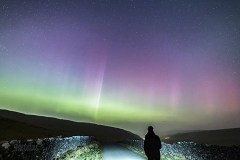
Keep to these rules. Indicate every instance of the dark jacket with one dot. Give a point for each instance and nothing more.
(152, 144)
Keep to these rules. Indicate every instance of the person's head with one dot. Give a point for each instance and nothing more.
(150, 128)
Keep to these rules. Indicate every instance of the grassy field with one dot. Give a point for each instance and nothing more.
(11, 129)
(88, 152)
(16, 125)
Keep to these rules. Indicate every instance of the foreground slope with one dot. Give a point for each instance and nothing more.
(12, 129)
(64, 127)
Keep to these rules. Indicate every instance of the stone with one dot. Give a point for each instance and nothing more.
(6, 145)
(39, 141)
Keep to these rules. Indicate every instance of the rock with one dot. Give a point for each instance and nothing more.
(6, 145)
(12, 142)
(39, 141)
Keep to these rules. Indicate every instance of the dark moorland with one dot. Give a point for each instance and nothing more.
(14, 125)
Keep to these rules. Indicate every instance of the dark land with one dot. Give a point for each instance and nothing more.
(14, 125)
(221, 137)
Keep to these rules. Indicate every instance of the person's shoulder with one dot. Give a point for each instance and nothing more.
(156, 136)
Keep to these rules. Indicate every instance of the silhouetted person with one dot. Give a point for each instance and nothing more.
(152, 145)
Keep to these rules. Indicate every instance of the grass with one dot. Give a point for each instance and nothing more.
(11, 129)
(89, 152)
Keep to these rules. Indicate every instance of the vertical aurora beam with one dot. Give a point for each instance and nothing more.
(99, 89)
(94, 76)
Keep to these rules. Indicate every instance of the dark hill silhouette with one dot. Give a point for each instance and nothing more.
(40, 126)
(12, 129)
(222, 137)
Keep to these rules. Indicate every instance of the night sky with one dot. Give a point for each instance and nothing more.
(128, 63)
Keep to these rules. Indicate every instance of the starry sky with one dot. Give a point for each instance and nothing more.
(173, 64)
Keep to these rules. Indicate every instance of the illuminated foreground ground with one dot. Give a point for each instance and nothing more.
(117, 152)
(88, 148)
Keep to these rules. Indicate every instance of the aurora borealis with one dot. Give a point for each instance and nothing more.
(128, 63)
